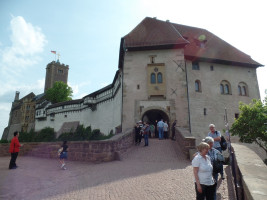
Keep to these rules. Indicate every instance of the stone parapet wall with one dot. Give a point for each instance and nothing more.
(92, 151)
(185, 140)
(249, 173)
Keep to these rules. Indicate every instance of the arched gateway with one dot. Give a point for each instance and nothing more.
(154, 115)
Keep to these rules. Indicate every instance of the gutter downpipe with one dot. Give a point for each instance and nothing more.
(189, 119)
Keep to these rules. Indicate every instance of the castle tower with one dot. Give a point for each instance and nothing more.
(55, 71)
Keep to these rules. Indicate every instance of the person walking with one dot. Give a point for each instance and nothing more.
(63, 155)
(165, 130)
(215, 156)
(14, 150)
(160, 126)
(216, 135)
(152, 130)
(146, 133)
(173, 129)
(202, 168)
(137, 132)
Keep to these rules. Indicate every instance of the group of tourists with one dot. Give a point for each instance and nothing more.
(15, 148)
(146, 130)
(207, 165)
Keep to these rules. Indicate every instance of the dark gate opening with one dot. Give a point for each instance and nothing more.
(153, 116)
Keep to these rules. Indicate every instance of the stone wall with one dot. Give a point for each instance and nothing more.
(249, 173)
(212, 100)
(92, 151)
(185, 140)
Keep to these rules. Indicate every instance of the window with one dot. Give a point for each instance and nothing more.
(159, 77)
(236, 115)
(225, 87)
(244, 93)
(60, 71)
(239, 90)
(242, 89)
(195, 66)
(205, 111)
(153, 78)
(222, 88)
(211, 68)
(138, 87)
(197, 86)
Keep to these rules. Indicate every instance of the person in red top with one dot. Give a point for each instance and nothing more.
(14, 150)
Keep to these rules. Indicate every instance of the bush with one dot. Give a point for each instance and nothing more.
(27, 137)
(3, 141)
(80, 134)
(46, 135)
(97, 135)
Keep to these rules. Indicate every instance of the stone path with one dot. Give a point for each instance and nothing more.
(159, 171)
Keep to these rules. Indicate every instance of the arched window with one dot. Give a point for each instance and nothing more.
(225, 87)
(153, 78)
(242, 89)
(159, 77)
(197, 86)
(222, 88)
(244, 93)
(239, 90)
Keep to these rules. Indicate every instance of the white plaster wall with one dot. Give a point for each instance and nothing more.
(106, 117)
(135, 73)
(211, 98)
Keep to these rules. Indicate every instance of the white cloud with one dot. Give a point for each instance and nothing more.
(77, 87)
(27, 41)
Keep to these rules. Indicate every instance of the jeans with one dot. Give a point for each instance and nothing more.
(160, 129)
(146, 139)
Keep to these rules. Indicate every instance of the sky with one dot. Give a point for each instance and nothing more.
(87, 35)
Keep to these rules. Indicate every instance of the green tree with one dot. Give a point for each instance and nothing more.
(251, 126)
(59, 92)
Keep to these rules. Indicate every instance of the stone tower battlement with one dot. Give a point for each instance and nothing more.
(55, 71)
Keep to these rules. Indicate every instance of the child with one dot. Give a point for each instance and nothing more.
(63, 155)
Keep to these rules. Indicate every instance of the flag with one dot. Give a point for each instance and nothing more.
(54, 52)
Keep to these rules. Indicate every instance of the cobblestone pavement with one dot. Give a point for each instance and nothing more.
(159, 171)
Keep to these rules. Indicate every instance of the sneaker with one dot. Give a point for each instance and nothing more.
(64, 168)
(62, 165)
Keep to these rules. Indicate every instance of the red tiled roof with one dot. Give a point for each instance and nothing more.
(155, 33)
(152, 32)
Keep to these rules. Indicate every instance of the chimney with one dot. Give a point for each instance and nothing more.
(16, 96)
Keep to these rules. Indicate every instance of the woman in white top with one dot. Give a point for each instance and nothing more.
(202, 168)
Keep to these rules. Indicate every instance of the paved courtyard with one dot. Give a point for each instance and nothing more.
(159, 171)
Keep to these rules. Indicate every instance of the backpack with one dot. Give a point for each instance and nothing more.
(217, 166)
(223, 143)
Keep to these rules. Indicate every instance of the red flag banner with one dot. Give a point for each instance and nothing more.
(54, 52)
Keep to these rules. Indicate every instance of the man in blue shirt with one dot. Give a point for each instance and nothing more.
(216, 135)
(160, 126)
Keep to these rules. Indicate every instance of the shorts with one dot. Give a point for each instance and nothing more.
(63, 155)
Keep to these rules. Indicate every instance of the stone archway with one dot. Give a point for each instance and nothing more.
(154, 115)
